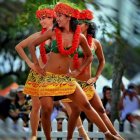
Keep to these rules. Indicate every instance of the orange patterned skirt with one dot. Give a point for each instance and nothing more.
(88, 89)
(49, 85)
(32, 84)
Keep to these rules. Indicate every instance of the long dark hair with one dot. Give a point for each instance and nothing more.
(105, 100)
(92, 29)
(73, 24)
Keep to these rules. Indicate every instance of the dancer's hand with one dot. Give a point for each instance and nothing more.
(73, 73)
(91, 81)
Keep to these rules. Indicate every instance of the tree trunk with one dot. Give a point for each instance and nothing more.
(118, 71)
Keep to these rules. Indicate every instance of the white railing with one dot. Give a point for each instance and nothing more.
(11, 131)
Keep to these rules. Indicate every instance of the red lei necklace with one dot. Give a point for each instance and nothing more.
(89, 39)
(75, 41)
(42, 49)
(75, 44)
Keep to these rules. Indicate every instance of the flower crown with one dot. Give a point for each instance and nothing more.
(86, 15)
(66, 10)
(45, 10)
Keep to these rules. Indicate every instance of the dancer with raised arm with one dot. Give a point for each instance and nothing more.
(88, 29)
(57, 78)
(46, 16)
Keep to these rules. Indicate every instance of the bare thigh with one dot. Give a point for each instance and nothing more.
(79, 98)
(46, 104)
(72, 108)
(35, 102)
(97, 103)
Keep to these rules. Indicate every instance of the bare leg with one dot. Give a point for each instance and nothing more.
(98, 106)
(46, 110)
(35, 116)
(90, 112)
(75, 120)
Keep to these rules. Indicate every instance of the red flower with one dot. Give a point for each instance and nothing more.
(75, 41)
(66, 10)
(75, 44)
(86, 15)
(89, 39)
(46, 11)
(43, 50)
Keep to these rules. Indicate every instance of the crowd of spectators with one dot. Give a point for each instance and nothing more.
(18, 105)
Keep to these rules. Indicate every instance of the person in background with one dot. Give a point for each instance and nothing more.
(23, 106)
(60, 117)
(136, 115)
(107, 100)
(13, 112)
(128, 103)
(4, 107)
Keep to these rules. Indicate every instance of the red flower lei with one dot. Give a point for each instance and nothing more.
(46, 11)
(75, 44)
(86, 15)
(75, 41)
(42, 49)
(89, 39)
(66, 10)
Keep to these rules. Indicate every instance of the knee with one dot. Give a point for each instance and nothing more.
(46, 113)
(46, 109)
(36, 108)
(101, 110)
(75, 112)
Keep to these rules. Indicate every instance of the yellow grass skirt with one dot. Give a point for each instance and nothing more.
(32, 84)
(88, 89)
(49, 85)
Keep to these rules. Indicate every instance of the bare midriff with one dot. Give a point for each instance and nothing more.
(57, 63)
(86, 74)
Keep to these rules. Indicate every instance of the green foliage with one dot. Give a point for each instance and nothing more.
(43, 6)
(6, 81)
(28, 17)
(77, 4)
(108, 70)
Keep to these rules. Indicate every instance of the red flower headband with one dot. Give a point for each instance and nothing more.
(46, 11)
(86, 15)
(67, 10)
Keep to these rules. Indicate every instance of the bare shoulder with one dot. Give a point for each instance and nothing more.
(97, 42)
(82, 37)
(35, 35)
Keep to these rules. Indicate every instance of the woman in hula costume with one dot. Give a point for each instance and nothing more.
(57, 78)
(46, 16)
(88, 29)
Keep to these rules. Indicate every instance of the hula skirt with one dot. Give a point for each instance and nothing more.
(88, 89)
(32, 84)
(49, 85)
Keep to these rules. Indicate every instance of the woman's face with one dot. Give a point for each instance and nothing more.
(62, 20)
(21, 95)
(84, 27)
(46, 21)
(108, 94)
